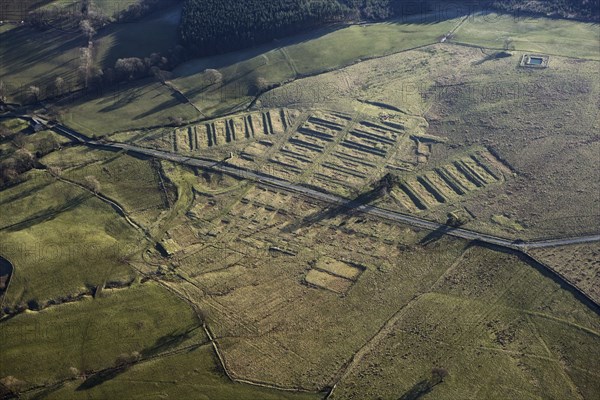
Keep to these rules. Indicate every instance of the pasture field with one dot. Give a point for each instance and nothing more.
(132, 182)
(529, 34)
(50, 266)
(31, 57)
(580, 264)
(499, 328)
(216, 285)
(128, 107)
(266, 274)
(107, 7)
(189, 374)
(155, 33)
(41, 347)
(473, 102)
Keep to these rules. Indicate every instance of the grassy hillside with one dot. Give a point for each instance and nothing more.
(498, 327)
(50, 267)
(90, 334)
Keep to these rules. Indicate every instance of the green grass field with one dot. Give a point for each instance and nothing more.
(156, 33)
(307, 54)
(189, 375)
(129, 107)
(33, 57)
(89, 335)
(132, 182)
(108, 7)
(539, 35)
(50, 232)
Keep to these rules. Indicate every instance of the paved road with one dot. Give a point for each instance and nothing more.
(327, 197)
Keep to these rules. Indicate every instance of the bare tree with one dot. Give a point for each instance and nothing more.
(438, 375)
(213, 76)
(34, 93)
(85, 63)
(159, 74)
(87, 29)
(175, 121)
(19, 140)
(92, 183)
(259, 85)
(130, 67)
(2, 91)
(59, 86)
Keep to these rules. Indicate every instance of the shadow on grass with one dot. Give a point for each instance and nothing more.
(102, 376)
(168, 342)
(348, 208)
(436, 235)
(48, 214)
(176, 100)
(548, 272)
(162, 344)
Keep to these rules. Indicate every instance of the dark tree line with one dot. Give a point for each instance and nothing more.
(217, 26)
(580, 9)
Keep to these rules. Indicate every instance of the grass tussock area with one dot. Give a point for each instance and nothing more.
(498, 327)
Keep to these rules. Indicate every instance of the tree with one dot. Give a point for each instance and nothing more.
(54, 171)
(213, 76)
(92, 183)
(438, 375)
(87, 29)
(34, 93)
(175, 121)
(159, 74)
(4, 132)
(86, 63)
(46, 145)
(23, 160)
(130, 68)
(259, 85)
(2, 91)
(124, 359)
(13, 384)
(59, 86)
(19, 140)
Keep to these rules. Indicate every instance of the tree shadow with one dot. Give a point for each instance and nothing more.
(425, 386)
(491, 57)
(436, 235)
(168, 341)
(48, 214)
(348, 208)
(102, 376)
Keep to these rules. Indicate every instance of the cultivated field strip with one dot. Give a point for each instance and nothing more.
(230, 130)
(449, 182)
(336, 151)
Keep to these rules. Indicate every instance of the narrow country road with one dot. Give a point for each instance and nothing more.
(325, 197)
